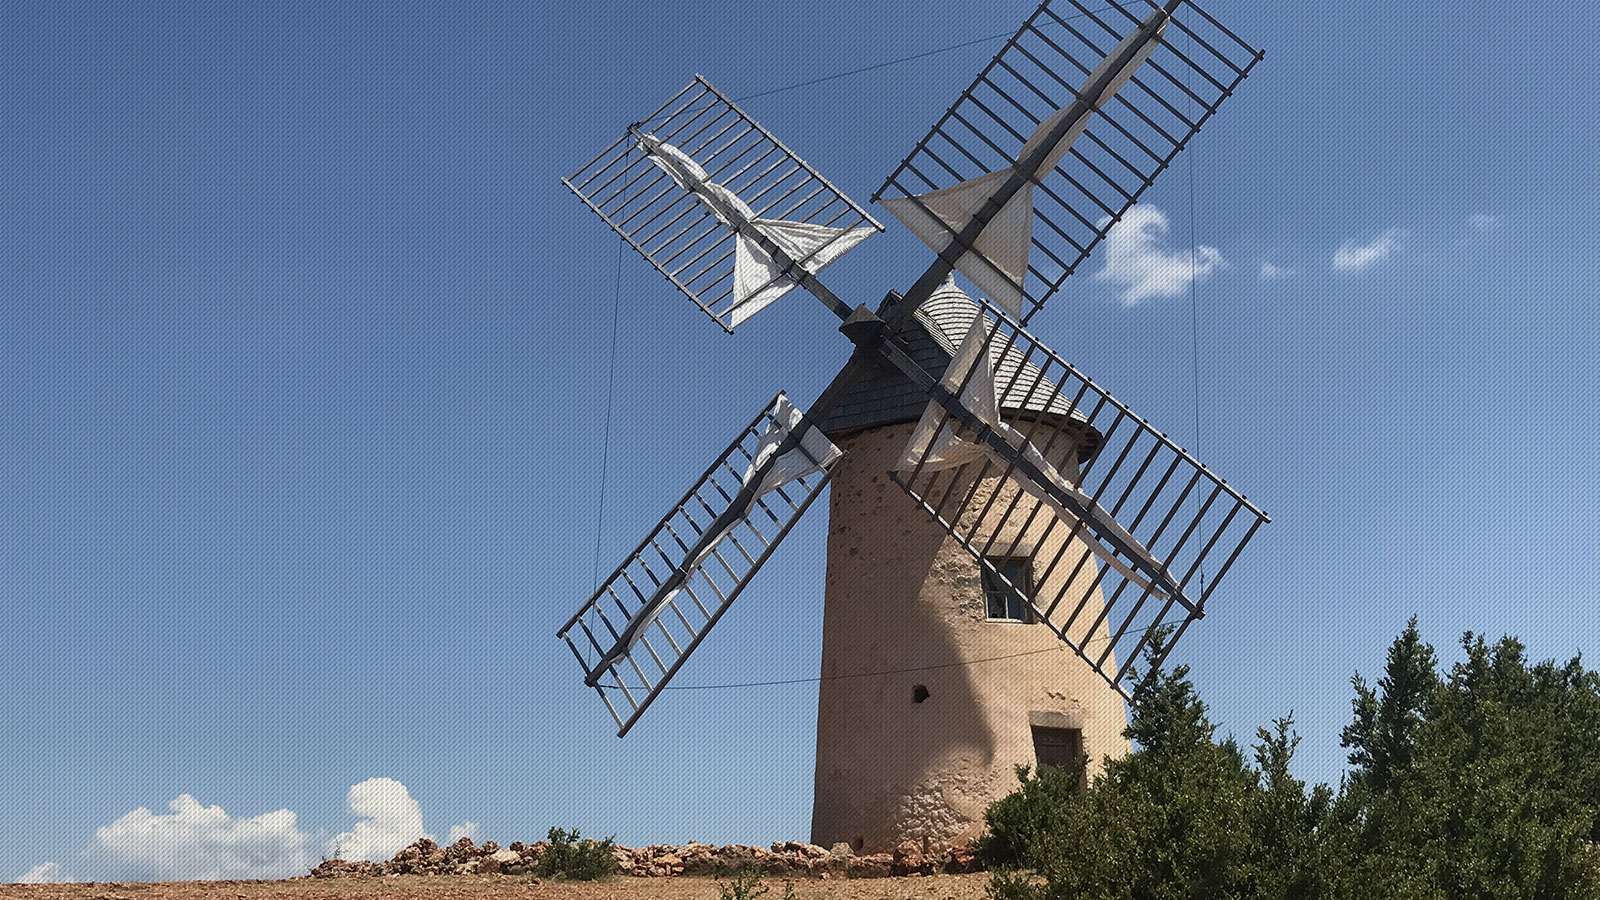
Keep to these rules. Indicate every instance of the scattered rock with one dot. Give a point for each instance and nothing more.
(459, 852)
(870, 865)
(909, 860)
(463, 857)
(962, 858)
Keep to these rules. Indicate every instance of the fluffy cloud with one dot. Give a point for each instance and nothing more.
(1137, 262)
(45, 873)
(1270, 272)
(1483, 222)
(391, 820)
(192, 841)
(468, 829)
(1354, 256)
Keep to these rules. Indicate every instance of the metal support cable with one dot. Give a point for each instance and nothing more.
(889, 62)
(951, 665)
(605, 440)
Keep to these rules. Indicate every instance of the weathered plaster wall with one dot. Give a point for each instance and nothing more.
(900, 596)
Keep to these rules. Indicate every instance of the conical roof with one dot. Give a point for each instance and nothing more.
(931, 335)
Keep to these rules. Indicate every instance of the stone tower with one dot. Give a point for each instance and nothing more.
(931, 693)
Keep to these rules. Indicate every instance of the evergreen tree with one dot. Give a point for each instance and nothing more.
(1176, 818)
(1481, 784)
(1386, 721)
(1283, 819)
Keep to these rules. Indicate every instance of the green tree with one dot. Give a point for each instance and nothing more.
(571, 856)
(1018, 819)
(1283, 819)
(1176, 818)
(1485, 784)
(1482, 783)
(1386, 721)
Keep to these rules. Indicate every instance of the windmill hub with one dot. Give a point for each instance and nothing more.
(864, 328)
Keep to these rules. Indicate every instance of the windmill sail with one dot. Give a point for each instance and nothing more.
(941, 441)
(1016, 223)
(728, 214)
(639, 627)
(758, 278)
(998, 259)
(1020, 454)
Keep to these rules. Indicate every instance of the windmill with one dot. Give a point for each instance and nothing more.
(1022, 496)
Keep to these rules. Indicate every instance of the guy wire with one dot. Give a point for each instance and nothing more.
(605, 440)
(821, 678)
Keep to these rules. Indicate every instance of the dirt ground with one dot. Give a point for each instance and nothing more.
(496, 887)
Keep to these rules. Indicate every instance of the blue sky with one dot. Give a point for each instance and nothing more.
(304, 366)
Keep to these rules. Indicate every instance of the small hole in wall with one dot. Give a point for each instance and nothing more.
(857, 844)
(919, 693)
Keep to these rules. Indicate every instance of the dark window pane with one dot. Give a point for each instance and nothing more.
(1003, 603)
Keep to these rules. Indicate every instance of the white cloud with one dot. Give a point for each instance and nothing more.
(192, 841)
(1483, 222)
(1353, 256)
(468, 829)
(202, 842)
(45, 873)
(391, 820)
(1270, 272)
(1138, 263)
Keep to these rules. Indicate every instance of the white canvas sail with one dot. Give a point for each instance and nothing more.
(997, 260)
(814, 454)
(758, 280)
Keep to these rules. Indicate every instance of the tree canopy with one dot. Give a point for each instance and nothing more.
(1479, 782)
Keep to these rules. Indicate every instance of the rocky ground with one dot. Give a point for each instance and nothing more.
(786, 859)
(668, 872)
(495, 887)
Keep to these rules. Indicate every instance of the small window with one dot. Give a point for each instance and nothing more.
(1003, 603)
(1057, 746)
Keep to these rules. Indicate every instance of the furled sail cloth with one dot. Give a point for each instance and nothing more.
(757, 278)
(997, 261)
(941, 441)
(771, 467)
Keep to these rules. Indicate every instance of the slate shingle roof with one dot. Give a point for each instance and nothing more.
(931, 335)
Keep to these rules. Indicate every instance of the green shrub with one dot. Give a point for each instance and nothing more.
(577, 858)
(1479, 782)
(746, 886)
(1018, 819)
(1006, 885)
